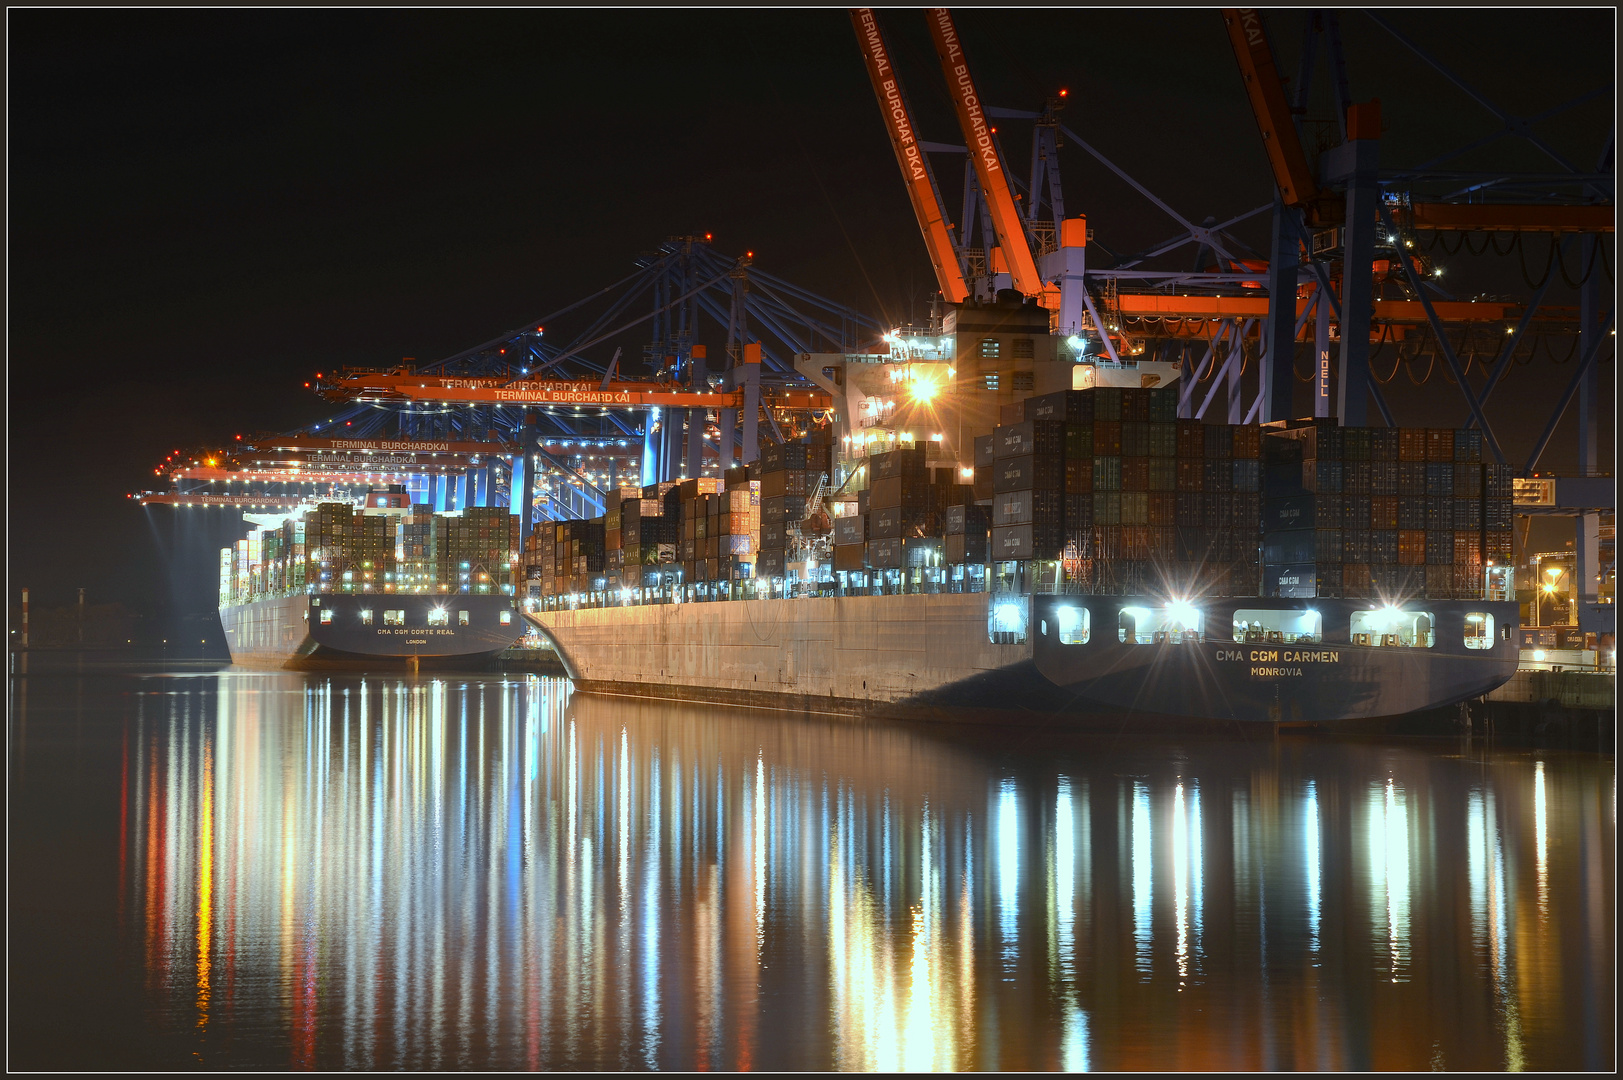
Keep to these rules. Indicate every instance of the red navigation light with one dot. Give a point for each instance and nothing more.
(239, 438)
(1062, 93)
(307, 386)
(994, 131)
(707, 236)
(749, 254)
(504, 352)
(346, 424)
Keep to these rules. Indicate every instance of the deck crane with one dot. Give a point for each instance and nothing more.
(915, 166)
(983, 151)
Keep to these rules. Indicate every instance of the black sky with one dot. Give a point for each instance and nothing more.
(207, 206)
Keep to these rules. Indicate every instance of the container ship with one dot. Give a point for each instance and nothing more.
(946, 546)
(1099, 557)
(385, 584)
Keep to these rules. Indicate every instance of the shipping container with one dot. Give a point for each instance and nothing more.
(1044, 472)
(1021, 507)
(1027, 542)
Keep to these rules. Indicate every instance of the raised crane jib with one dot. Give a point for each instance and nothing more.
(972, 118)
(1266, 92)
(921, 185)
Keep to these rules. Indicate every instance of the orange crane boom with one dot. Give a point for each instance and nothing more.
(921, 186)
(1011, 231)
(1266, 93)
(403, 385)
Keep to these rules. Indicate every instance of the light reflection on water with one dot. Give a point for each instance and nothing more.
(485, 872)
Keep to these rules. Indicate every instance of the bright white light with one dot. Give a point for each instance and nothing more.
(1184, 614)
(1067, 618)
(1538, 655)
(1008, 617)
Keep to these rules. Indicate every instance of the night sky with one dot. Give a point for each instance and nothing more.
(207, 207)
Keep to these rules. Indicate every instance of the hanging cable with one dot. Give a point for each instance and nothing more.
(1397, 356)
(1590, 269)
(1494, 237)
(1549, 263)
(1432, 362)
(1531, 352)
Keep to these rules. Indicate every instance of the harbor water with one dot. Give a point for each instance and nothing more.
(216, 868)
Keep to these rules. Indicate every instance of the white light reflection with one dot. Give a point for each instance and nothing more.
(1074, 1039)
(1541, 823)
(1187, 874)
(1389, 876)
(1143, 877)
(1310, 844)
(1180, 882)
(1008, 875)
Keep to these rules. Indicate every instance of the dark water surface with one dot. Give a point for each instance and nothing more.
(274, 870)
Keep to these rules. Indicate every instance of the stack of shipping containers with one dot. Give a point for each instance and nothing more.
(1382, 513)
(473, 552)
(415, 569)
(695, 513)
(648, 536)
(901, 512)
(789, 477)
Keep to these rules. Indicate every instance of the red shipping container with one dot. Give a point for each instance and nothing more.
(1135, 474)
(1107, 438)
(1411, 547)
(1163, 508)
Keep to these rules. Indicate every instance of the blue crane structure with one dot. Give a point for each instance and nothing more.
(689, 298)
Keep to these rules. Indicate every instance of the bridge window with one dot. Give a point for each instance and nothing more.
(1393, 627)
(439, 617)
(1075, 627)
(462, 618)
(326, 616)
(366, 616)
(1288, 627)
(1169, 625)
(394, 618)
(1478, 630)
(989, 348)
(507, 618)
(989, 380)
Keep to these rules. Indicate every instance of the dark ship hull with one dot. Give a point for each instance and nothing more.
(940, 657)
(370, 630)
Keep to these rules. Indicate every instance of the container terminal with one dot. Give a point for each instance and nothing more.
(1077, 488)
